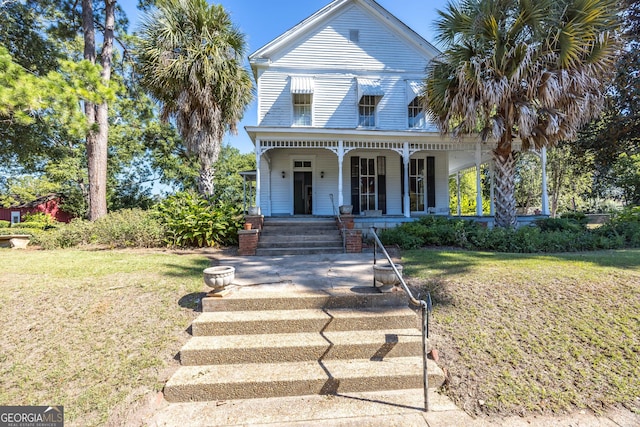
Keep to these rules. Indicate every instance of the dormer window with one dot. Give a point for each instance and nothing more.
(416, 114)
(415, 111)
(369, 94)
(302, 109)
(302, 100)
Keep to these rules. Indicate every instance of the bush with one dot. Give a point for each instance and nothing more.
(568, 234)
(128, 228)
(120, 229)
(75, 233)
(4, 224)
(190, 220)
(40, 220)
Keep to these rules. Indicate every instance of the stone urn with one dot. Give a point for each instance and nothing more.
(254, 210)
(384, 278)
(219, 277)
(346, 209)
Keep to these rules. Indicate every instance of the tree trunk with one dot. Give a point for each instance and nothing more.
(205, 182)
(97, 139)
(505, 200)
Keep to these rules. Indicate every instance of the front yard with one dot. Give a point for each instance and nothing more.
(98, 330)
(94, 331)
(523, 334)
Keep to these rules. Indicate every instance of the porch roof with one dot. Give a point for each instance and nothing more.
(461, 152)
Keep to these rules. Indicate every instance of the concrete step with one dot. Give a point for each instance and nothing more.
(247, 381)
(334, 242)
(299, 251)
(309, 320)
(298, 347)
(280, 237)
(295, 232)
(355, 298)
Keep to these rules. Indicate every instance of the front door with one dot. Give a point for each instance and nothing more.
(302, 191)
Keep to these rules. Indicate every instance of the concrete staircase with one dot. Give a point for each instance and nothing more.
(277, 344)
(299, 236)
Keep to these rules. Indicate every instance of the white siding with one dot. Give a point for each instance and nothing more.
(275, 105)
(335, 102)
(329, 48)
(281, 202)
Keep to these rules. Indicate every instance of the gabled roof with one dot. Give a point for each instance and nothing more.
(332, 9)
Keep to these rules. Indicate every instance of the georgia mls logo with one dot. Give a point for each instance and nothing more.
(31, 416)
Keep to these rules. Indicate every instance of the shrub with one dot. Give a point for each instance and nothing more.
(4, 224)
(560, 224)
(40, 220)
(128, 228)
(190, 220)
(75, 233)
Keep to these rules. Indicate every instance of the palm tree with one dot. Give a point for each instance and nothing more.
(191, 61)
(531, 71)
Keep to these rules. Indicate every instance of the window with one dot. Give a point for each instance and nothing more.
(367, 184)
(416, 184)
(367, 111)
(354, 35)
(15, 217)
(302, 109)
(302, 164)
(416, 114)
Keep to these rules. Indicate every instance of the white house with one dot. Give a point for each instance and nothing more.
(340, 123)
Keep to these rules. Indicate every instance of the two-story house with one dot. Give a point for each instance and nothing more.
(340, 121)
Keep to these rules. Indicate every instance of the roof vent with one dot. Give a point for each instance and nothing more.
(354, 35)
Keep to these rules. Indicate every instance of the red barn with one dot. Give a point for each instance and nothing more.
(49, 204)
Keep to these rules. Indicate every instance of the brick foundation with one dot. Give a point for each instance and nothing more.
(248, 242)
(353, 241)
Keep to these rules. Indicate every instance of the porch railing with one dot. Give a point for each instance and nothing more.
(341, 225)
(425, 309)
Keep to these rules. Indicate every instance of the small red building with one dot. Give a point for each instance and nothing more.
(49, 204)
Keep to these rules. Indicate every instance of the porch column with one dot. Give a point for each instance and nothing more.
(405, 161)
(478, 180)
(545, 192)
(458, 206)
(258, 180)
(340, 177)
(492, 188)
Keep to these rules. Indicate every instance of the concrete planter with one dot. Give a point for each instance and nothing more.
(384, 278)
(254, 210)
(346, 209)
(219, 277)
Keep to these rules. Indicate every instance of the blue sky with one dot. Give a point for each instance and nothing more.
(264, 20)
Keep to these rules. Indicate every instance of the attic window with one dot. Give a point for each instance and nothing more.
(354, 35)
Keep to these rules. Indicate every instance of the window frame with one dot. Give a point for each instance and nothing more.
(416, 117)
(368, 120)
(300, 108)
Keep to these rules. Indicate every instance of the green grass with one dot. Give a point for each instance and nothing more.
(91, 330)
(522, 334)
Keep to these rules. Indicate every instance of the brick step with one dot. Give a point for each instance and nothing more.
(356, 298)
(299, 347)
(304, 320)
(247, 381)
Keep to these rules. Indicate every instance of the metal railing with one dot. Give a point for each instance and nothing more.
(341, 225)
(425, 309)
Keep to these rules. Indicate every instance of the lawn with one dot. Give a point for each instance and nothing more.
(94, 331)
(98, 330)
(523, 334)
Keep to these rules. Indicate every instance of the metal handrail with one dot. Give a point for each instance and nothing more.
(341, 226)
(424, 310)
